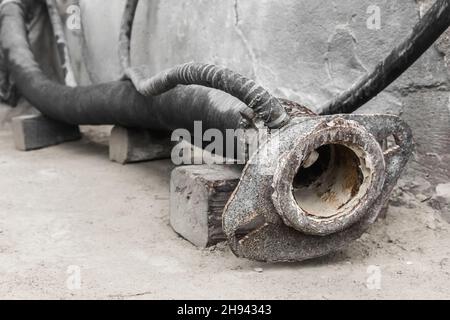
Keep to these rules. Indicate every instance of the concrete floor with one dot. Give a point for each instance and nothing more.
(66, 209)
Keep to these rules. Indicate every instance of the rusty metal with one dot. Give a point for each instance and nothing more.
(272, 217)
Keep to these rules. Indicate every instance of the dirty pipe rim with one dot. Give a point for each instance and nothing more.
(330, 179)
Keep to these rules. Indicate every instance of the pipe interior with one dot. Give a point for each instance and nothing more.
(331, 181)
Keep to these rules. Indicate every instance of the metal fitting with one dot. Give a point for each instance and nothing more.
(325, 184)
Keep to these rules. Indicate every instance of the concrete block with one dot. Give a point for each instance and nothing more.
(127, 145)
(33, 132)
(198, 195)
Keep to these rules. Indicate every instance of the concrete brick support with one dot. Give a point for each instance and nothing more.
(198, 195)
(128, 145)
(32, 132)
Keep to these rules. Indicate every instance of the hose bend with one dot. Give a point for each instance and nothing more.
(266, 107)
(115, 103)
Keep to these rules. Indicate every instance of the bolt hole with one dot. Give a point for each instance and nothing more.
(389, 143)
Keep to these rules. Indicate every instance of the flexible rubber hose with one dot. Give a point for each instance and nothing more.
(126, 28)
(61, 43)
(266, 107)
(116, 103)
(424, 34)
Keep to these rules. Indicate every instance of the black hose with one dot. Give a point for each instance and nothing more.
(116, 103)
(424, 34)
(61, 43)
(266, 107)
(126, 29)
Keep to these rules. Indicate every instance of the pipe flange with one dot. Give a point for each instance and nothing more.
(255, 220)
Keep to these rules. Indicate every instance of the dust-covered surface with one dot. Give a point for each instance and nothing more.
(68, 208)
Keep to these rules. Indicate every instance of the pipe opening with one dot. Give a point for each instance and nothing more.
(331, 180)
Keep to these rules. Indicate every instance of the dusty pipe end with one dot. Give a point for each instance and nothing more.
(264, 221)
(330, 179)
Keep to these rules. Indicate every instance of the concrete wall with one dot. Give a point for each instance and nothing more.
(307, 51)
